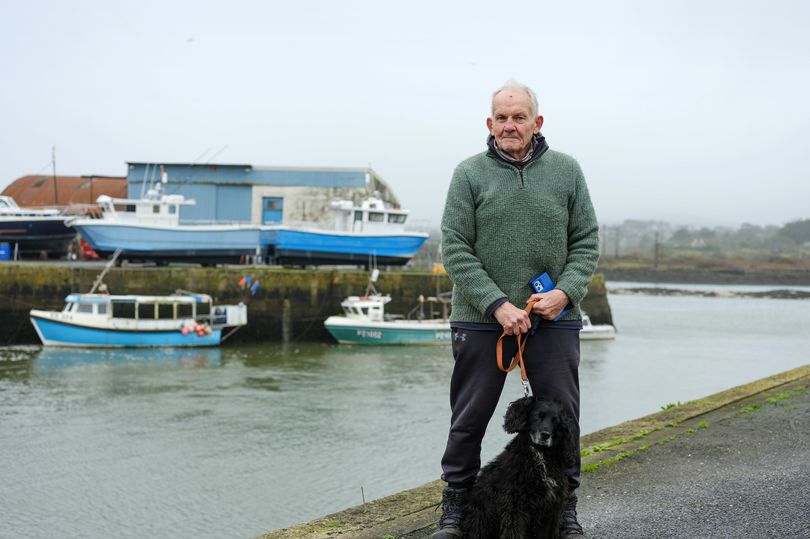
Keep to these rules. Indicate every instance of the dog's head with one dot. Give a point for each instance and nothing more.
(543, 421)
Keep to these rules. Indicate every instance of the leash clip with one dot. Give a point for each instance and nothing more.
(525, 387)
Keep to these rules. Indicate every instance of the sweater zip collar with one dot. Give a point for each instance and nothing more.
(536, 151)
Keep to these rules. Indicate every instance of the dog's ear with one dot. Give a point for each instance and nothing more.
(517, 415)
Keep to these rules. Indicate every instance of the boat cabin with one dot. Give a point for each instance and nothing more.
(157, 210)
(9, 206)
(365, 307)
(371, 216)
(195, 307)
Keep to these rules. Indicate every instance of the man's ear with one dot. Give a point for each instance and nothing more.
(538, 123)
(489, 124)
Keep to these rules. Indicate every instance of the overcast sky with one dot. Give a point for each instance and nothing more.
(692, 112)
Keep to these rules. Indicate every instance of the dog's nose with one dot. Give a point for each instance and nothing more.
(545, 435)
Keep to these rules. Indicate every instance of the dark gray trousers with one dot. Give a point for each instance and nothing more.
(552, 364)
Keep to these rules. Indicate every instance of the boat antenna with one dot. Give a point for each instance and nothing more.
(143, 182)
(53, 162)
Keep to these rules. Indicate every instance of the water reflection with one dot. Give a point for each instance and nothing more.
(61, 358)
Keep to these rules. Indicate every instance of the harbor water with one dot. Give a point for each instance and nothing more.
(237, 441)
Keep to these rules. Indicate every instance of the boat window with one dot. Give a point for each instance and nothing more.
(85, 308)
(68, 307)
(398, 218)
(172, 209)
(123, 310)
(146, 311)
(102, 308)
(184, 310)
(203, 309)
(155, 208)
(165, 311)
(129, 208)
(358, 216)
(376, 217)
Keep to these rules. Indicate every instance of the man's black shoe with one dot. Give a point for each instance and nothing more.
(450, 523)
(569, 527)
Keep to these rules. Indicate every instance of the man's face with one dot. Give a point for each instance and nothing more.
(512, 123)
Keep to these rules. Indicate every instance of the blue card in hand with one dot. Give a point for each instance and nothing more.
(543, 283)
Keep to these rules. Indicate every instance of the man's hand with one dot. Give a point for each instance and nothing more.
(549, 304)
(514, 321)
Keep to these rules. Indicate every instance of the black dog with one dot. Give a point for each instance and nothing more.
(521, 493)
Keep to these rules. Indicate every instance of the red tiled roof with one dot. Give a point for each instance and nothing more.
(38, 190)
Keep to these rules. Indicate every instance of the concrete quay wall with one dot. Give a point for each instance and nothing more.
(290, 303)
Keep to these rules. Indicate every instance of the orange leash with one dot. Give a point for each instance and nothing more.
(518, 359)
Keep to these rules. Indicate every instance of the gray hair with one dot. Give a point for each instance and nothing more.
(512, 84)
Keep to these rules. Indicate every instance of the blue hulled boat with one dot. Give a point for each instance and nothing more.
(135, 321)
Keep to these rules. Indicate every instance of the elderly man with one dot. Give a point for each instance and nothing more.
(512, 212)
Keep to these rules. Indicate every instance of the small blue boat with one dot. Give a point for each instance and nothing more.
(118, 321)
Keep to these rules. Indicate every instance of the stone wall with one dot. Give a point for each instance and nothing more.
(311, 295)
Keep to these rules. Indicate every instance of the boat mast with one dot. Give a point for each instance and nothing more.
(53, 163)
(109, 265)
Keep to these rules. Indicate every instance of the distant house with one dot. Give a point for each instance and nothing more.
(37, 191)
(253, 194)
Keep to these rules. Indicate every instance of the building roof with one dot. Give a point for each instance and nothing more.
(38, 190)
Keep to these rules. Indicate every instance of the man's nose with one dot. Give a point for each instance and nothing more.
(509, 125)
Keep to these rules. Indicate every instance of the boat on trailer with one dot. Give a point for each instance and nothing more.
(149, 229)
(359, 232)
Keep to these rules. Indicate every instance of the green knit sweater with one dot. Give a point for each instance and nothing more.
(503, 226)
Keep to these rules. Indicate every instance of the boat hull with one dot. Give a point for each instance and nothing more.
(304, 247)
(347, 331)
(191, 243)
(37, 234)
(59, 333)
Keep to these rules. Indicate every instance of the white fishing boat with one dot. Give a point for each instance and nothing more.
(150, 229)
(364, 321)
(594, 332)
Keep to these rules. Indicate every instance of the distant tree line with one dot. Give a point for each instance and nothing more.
(658, 238)
(636, 237)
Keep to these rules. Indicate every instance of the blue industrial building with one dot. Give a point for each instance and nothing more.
(248, 194)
